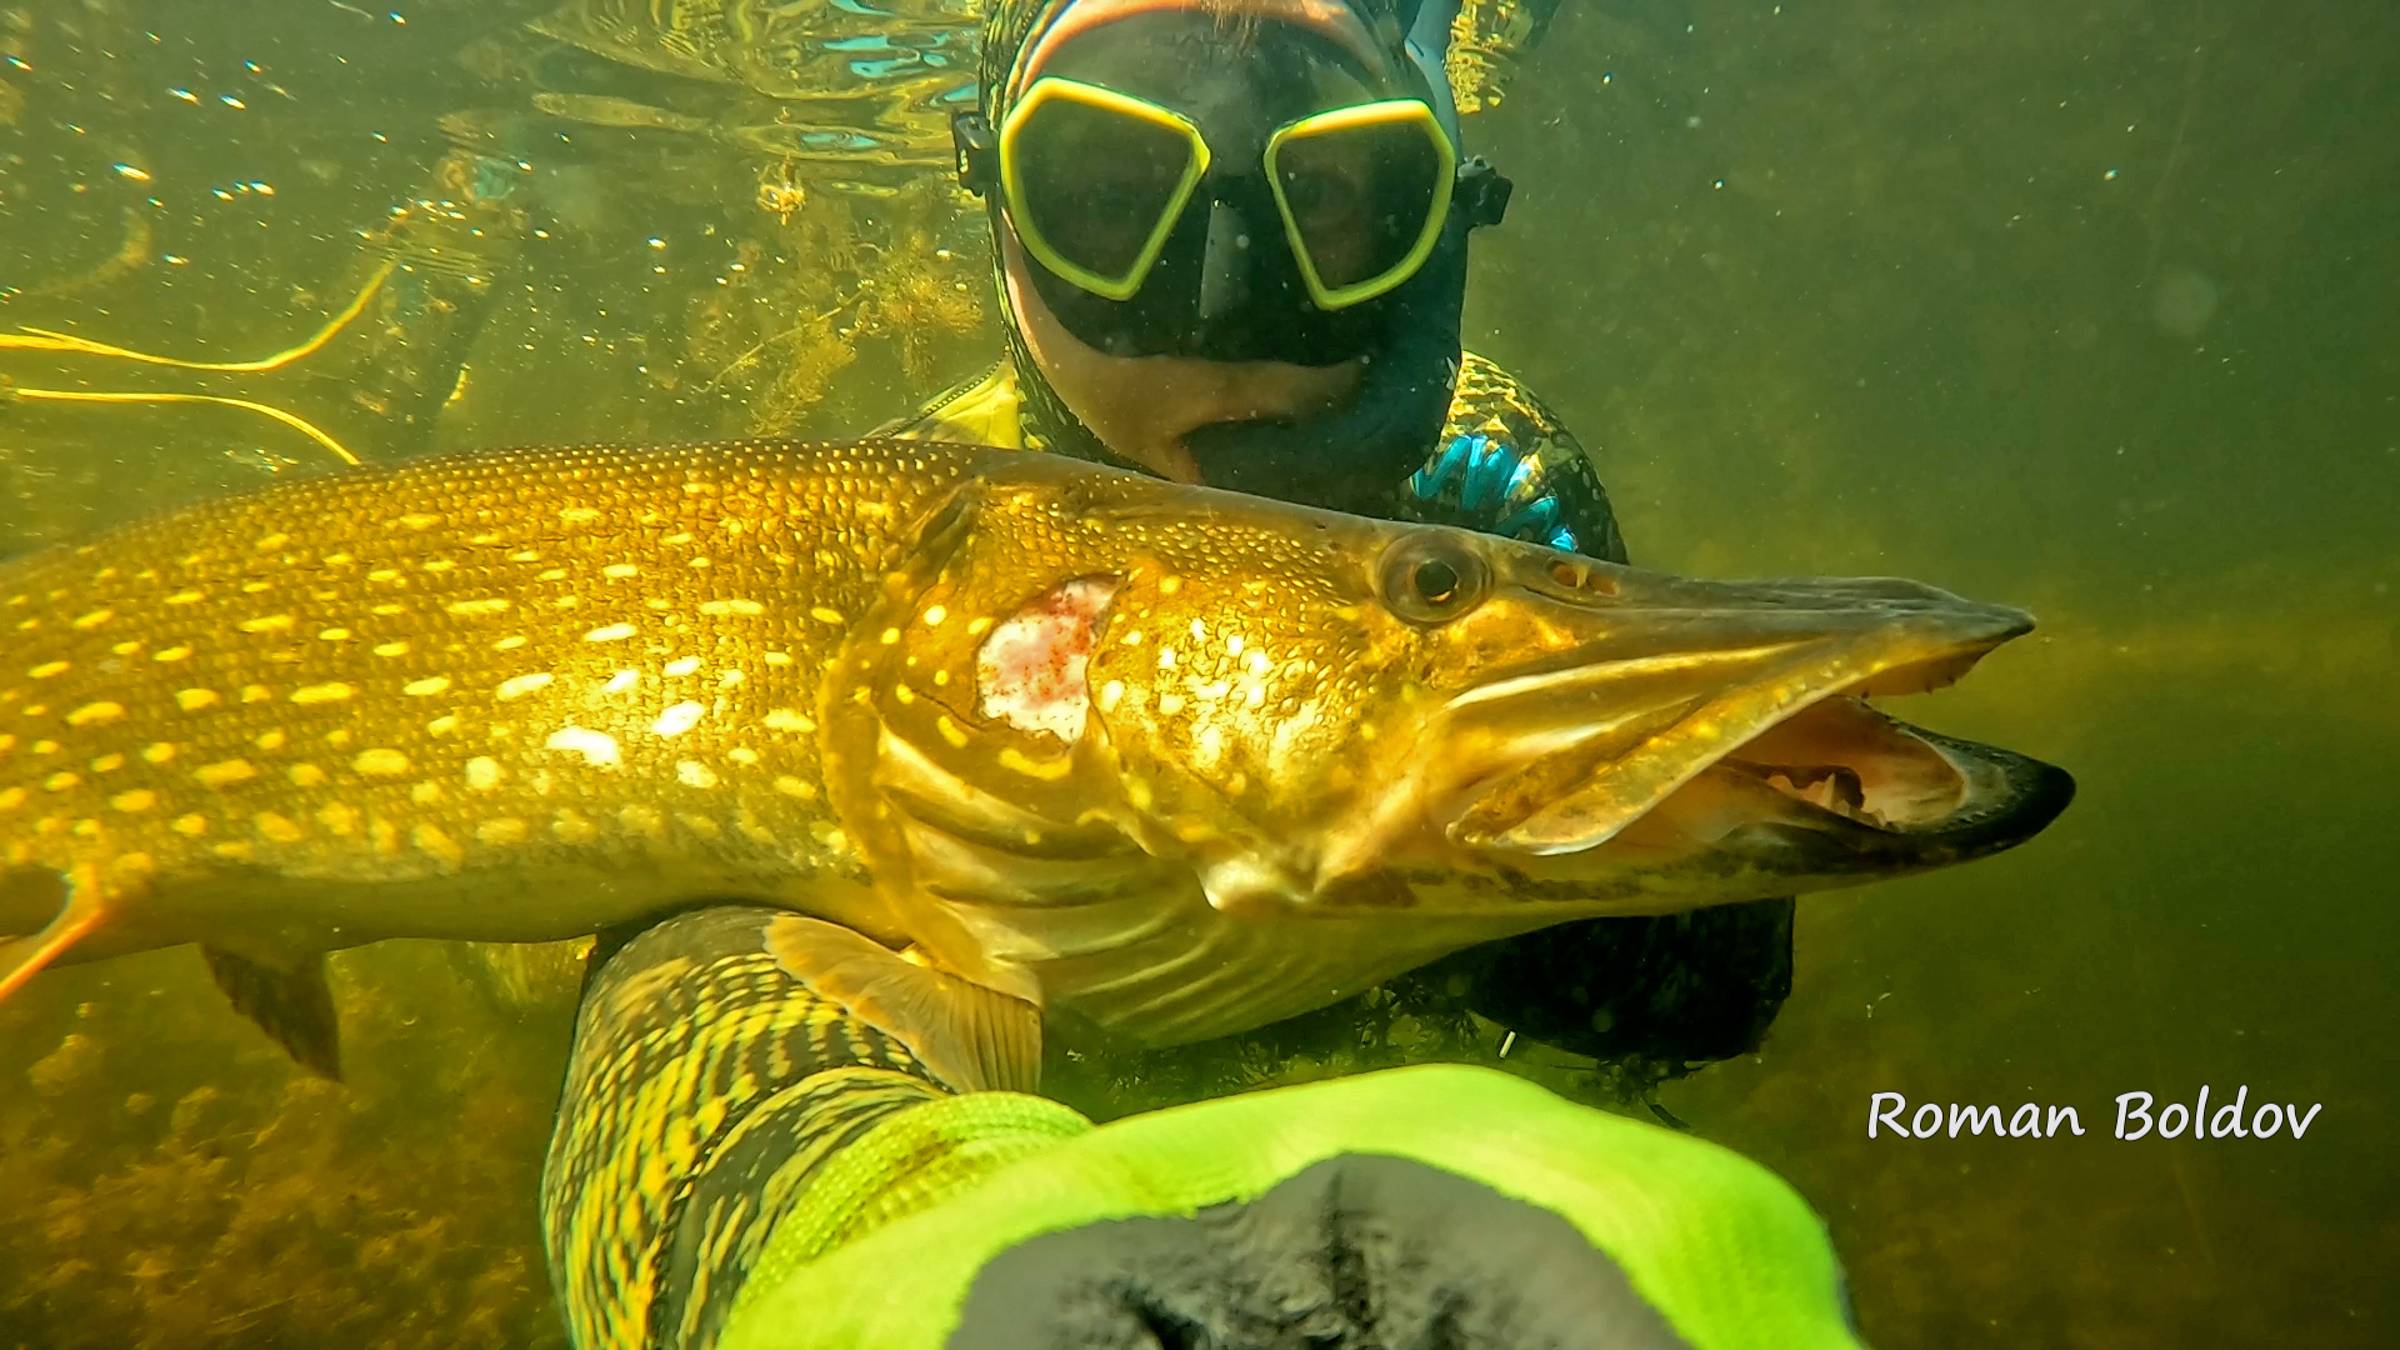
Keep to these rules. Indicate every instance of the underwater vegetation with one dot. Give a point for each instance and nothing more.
(175, 1184)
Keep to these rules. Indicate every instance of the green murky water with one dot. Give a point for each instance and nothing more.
(2091, 307)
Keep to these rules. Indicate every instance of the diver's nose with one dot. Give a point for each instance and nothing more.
(1225, 263)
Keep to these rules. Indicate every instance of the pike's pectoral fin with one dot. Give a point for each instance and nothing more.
(971, 1037)
(80, 906)
(292, 1004)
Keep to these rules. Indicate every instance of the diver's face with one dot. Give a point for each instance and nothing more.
(1223, 329)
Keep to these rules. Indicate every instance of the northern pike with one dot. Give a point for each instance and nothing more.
(1158, 760)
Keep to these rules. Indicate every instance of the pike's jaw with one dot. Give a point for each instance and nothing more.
(1823, 764)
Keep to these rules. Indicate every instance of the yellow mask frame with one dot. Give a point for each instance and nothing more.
(1349, 120)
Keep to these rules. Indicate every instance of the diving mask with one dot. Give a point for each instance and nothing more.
(1095, 181)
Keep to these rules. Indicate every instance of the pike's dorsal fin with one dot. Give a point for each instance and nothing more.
(971, 1037)
(294, 1005)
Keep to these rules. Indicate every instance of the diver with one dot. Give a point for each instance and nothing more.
(1230, 244)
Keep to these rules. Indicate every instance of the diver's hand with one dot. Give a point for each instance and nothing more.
(1357, 1250)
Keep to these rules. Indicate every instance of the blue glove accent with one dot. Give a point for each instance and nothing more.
(1488, 474)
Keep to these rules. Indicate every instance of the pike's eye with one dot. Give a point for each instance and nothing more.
(1430, 578)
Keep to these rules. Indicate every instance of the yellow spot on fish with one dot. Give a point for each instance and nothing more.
(509, 644)
(94, 619)
(934, 614)
(678, 719)
(578, 515)
(483, 773)
(787, 719)
(419, 520)
(501, 830)
(621, 681)
(438, 564)
(139, 799)
(333, 692)
(693, 773)
(339, 738)
(683, 665)
(718, 609)
(518, 686)
(794, 787)
(742, 755)
(158, 752)
(427, 687)
(388, 649)
(570, 826)
(180, 652)
(186, 598)
(1111, 694)
(615, 632)
(951, 731)
(620, 571)
(233, 850)
(191, 826)
(268, 740)
(225, 772)
(526, 555)
(306, 775)
(597, 747)
(470, 609)
(380, 763)
(889, 636)
(829, 835)
(442, 725)
(338, 817)
(429, 839)
(108, 764)
(1168, 585)
(126, 648)
(268, 623)
(49, 668)
(277, 829)
(269, 543)
(256, 693)
(1046, 769)
(95, 714)
(387, 610)
(824, 615)
(334, 634)
(426, 793)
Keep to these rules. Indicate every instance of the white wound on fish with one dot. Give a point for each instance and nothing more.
(1030, 671)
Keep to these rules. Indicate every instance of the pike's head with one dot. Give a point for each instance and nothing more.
(1317, 714)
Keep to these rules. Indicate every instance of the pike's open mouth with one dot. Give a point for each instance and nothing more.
(1809, 762)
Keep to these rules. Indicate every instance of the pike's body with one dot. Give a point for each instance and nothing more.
(507, 697)
(1171, 761)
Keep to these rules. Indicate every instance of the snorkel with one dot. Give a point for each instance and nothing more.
(1230, 319)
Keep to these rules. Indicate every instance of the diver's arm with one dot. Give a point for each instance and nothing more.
(1505, 464)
